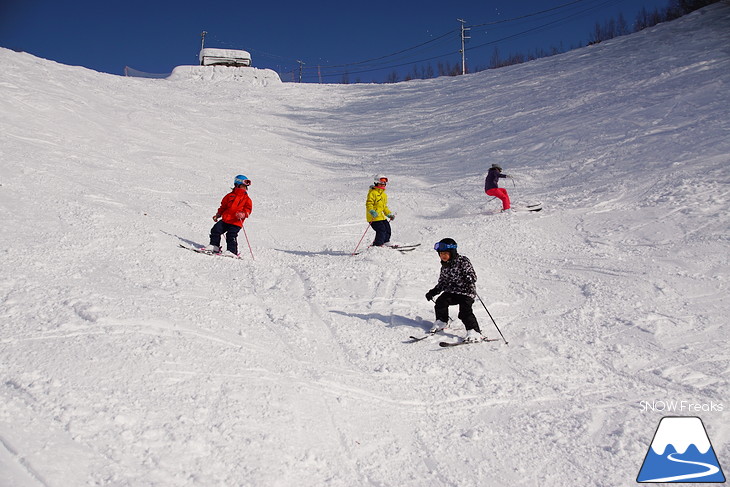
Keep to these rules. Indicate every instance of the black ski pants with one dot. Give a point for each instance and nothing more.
(231, 232)
(382, 232)
(466, 314)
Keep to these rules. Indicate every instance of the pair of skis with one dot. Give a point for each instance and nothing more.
(400, 248)
(450, 344)
(403, 248)
(203, 250)
(532, 207)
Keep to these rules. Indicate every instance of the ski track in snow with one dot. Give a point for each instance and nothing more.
(128, 361)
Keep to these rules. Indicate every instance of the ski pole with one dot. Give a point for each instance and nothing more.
(249, 243)
(363, 236)
(495, 323)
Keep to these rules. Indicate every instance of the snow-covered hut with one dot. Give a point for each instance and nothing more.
(210, 56)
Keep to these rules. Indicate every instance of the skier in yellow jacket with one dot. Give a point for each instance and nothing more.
(378, 214)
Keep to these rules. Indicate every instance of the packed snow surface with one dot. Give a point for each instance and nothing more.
(127, 361)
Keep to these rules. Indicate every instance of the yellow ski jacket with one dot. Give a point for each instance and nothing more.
(377, 200)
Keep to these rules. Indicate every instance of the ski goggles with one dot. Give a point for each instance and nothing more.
(382, 181)
(443, 247)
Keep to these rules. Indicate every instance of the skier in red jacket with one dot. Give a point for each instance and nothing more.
(235, 208)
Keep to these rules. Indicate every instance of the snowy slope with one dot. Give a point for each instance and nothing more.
(129, 362)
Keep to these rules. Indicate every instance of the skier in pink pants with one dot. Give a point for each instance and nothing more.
(491, 185)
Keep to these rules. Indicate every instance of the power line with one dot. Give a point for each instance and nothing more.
(390, 55)
(392, 66)
(539, 27)
(401, 57)
(376, 67)
(325, 66)
(529, 15)
(421, 50)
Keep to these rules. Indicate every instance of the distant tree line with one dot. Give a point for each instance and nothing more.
(601, 32)
(644, 19)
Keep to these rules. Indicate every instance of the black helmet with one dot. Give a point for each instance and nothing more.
(497, 167)
(446, 245)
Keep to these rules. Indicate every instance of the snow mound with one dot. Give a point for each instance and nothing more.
(249, 75)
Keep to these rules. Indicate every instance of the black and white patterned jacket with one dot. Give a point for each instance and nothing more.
(458, 276)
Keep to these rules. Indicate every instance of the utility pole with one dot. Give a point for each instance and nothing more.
(464, 37)
(301, 69)
(202, 46)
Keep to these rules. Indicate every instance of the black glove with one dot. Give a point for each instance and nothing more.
(429, 295)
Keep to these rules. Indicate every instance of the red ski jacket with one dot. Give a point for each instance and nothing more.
(235, 207)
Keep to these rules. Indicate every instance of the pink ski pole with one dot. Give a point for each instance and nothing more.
(249, 243)
(363, 236)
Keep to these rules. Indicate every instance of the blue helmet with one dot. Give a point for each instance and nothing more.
(241, 180)
(446, 245)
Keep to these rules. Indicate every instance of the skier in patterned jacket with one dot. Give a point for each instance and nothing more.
(457, 286)
(235, 208)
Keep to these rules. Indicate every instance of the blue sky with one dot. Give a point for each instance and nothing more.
(331, 38)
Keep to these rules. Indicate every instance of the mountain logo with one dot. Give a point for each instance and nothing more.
(681, 452)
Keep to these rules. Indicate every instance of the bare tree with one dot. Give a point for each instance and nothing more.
(392, 77)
